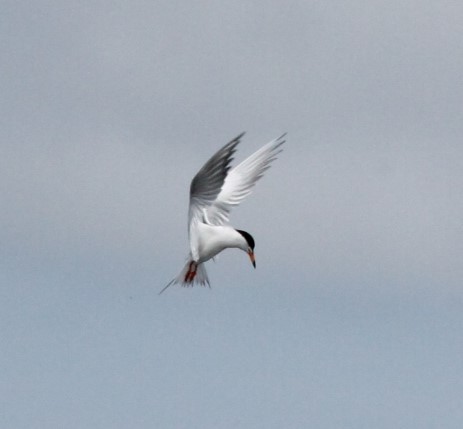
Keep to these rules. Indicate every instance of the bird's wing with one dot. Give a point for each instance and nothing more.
(206, 185)
(240, 181)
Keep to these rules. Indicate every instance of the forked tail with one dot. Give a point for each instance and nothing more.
(192, 274)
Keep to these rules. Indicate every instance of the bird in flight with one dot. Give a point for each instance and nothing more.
(214, 191)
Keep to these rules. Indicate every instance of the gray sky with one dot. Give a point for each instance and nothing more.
(353, 318)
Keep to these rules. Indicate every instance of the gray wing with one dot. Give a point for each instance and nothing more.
(208, 182)
(240, 181)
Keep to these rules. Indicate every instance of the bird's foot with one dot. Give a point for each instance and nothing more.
(190, 275)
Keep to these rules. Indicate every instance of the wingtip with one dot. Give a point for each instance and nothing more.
(232, 145)
(277, 144)
(280, 140)
(239, 137)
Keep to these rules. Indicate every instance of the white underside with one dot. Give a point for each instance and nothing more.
(206, 241)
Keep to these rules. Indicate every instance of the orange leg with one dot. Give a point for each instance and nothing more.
(190, 275)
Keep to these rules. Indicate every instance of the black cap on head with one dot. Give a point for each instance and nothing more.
(248, 238)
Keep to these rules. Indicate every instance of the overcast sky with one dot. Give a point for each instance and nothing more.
(353, 317)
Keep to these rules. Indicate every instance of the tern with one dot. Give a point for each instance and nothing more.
(214, 191)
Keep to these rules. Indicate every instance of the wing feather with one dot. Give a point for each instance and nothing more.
(208, 182)
(240, 180)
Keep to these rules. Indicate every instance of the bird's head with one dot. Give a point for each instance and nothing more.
(248, 245)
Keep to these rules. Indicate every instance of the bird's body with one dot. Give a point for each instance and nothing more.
(214, 190)
(210, 240)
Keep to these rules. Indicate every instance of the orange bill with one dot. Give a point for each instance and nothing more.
(252, 258)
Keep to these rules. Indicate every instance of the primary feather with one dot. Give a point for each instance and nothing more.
(208, 182)
(240, 180)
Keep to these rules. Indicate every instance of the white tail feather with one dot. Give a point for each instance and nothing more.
(190, 275)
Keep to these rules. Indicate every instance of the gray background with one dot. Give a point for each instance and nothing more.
(353, 318)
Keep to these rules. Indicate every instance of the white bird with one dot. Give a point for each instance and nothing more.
(214, 191)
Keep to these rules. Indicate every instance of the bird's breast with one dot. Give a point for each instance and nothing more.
(212, 240)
